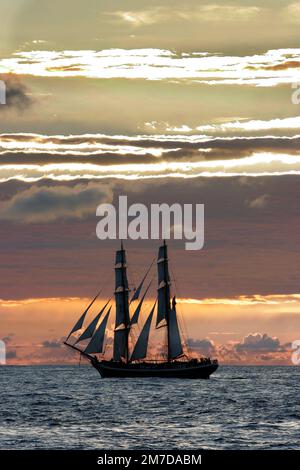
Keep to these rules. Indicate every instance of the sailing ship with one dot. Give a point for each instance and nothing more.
(133, 361)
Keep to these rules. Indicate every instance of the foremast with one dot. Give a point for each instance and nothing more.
(122, 325)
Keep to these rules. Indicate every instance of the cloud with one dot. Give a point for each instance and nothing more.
(16, 94)
(253, 125)
(208, 13)
(17, 303)
(292, 12)
(244, 300)
(226, 353)
(259, 202)
(247, 351)
(47, 204)
(12, 354)
(55, 344)
(140, 18)
(255, 348)
(203, 346)
(290, 64)
(30, 157)
(258, 165)
(7, 339)
(268, 69)
(216, 12)
(258, 342)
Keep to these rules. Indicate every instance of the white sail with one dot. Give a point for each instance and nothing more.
(141, 346)
(96, 343)
(175, 346)
(88, 333)
(79, 323)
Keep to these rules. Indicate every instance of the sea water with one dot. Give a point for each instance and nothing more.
(71, 407)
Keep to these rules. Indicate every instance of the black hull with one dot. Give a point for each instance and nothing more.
(180, 370)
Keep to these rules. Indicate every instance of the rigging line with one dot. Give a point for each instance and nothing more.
(108, 277)
(131, 276)
(147, 272)
(85, 355)
(104, 282)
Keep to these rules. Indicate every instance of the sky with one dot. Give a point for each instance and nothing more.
(166, 103)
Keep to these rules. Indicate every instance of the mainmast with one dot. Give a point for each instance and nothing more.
(126, 303)
(167, 294)
(121, 340)
(164, 283)
(165, 311)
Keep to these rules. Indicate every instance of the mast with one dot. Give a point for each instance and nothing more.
(167, 294)
(126, 308)
(121, 338)
(163, 310)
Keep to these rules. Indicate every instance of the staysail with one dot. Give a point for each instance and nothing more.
(79, 323)
(135, 317)
(141, 346)
(122, 307)
(88, 333)
(138, 290)
(96, 343)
